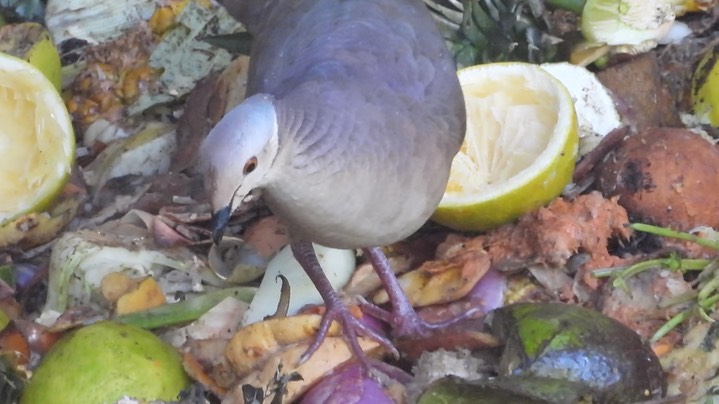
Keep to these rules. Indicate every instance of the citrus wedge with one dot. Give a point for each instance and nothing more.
(519, 150)
(30, 41)
(37, 143)
(705, 87)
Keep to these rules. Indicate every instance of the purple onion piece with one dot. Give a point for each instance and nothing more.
(488, 293)
(347, 384)
(374, 324)
(25, 274)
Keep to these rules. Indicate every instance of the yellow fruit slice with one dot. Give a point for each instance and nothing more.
(252, 345)
(37, 143)
(30, 41)
(705, 88)
(626, 22)
(102, 363)
(519, 150)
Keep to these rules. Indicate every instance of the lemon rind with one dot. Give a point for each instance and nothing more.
(11, 66)
(551, 171)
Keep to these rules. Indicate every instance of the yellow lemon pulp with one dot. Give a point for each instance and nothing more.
(519, 150)
(36, 139)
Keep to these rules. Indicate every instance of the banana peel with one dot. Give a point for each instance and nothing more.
(437, 282)
(256, 343)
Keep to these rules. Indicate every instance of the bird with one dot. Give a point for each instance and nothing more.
(352, 117)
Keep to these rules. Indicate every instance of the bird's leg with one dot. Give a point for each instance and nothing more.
(335, 309)
(403, 318)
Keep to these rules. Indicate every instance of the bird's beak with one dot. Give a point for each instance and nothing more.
(219, 223)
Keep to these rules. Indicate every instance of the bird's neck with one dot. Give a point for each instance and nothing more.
(300, 126)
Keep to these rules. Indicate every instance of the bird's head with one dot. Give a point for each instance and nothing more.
(237, 155)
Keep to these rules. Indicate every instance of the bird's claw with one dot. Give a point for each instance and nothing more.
(408, 322)
(352, 328)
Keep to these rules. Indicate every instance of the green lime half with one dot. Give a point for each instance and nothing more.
(104, 362)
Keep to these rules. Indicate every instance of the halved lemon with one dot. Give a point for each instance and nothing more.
(519, 150)
(37, 143)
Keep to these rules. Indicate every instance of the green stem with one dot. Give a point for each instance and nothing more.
(575, 6)
(608, 272)
(709, 302)
(708, 289)
(704, 316)
(620, 282)
(670, 325)
(664, 232)
(641, 267)
(184, 311)
(693, 264)
(672, 263)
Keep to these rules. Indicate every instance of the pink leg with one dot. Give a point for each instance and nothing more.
(403, 318)
(335, 309)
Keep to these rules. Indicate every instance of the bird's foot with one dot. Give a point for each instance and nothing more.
(352, 329)
(336, 310)
(403, 318)
(405, 321)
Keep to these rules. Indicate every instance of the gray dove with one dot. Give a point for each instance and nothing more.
(354, 113)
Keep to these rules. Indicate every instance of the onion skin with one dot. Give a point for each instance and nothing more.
(489, 291)
(348, 384)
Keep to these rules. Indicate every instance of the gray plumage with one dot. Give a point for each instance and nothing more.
(369, 114)
(353, 117)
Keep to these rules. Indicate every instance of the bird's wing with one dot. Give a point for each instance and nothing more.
(373, 70)
(382, 42)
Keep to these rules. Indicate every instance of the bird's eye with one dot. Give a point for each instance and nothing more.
(250, 166)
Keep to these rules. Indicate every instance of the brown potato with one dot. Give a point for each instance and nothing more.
(665, 176)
